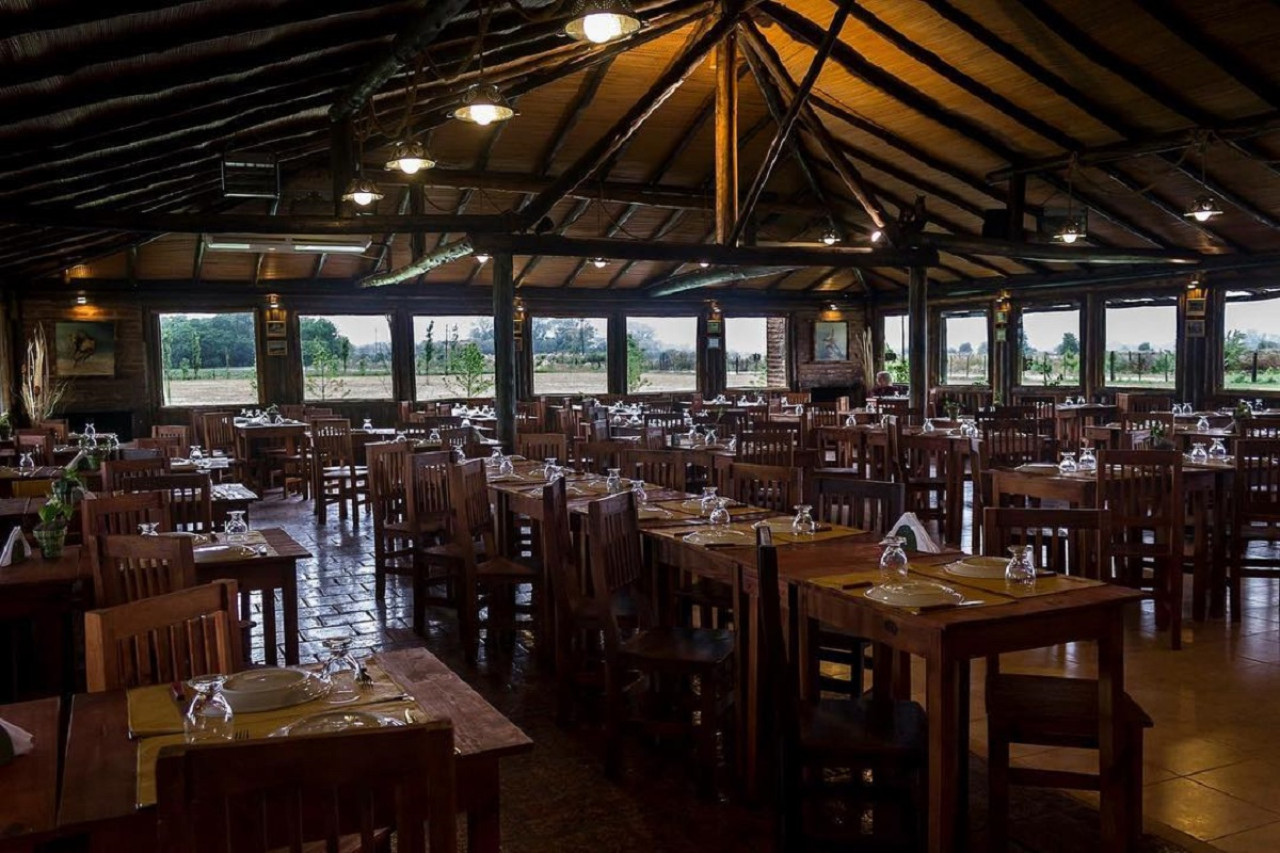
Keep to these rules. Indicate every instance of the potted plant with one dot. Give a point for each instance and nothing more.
(51, 532)
(6, 427)
(952, 409)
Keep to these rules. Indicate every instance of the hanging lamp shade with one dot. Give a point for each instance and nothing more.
(410, 158)
(362, 191)
(483, 105)
(1204, 208)
(1072, 230)
(599, 263)
(601, 21)
(830, 237)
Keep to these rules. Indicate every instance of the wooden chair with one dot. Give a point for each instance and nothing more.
(344, 791)
(924, 470)
(335, 476)
(115, 472)
(57, 427)
(822, 742)
(37, 442)
(1142, 492)
(543, 445)
(120, 515)
(190, 498)
(668, 656)
(389, 501)
(218, 430)
(772, 447)
(166, 446)
(665, 468)
(179, 432)
(771, 487)
(163, 639)
(1257, 428)
(1047, 710)
(489, 573)
(1255, 513)
(597, 457)
(128, 568)
(1066, 541)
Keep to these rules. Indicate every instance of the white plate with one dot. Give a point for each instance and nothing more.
(914, 594)
(196, 538)
(268, 689)
(329, 722)
(991, 568)
(717, 537)
(223, 553)
(653, 512)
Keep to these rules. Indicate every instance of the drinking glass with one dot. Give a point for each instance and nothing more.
(732, 444)
(549, 468)
(208, 717)
(1198, 453)
(803, 524)
(893, 562)
(850, 421)
(637, 489)
(711, 437)
(368, 424)
(613, 483)
(1088, 461)
(90, 433)
(1068, 464)
(1021, 569)
(708, 501)
(149, 528)
(1202, 425)
(927, 426)
(341, 672)
(195, 453)
(494, 460)
(459, 453)
(1217, 450)
(433, 437)
(720, 515)
(466, 422)
(401, 438)
(27, 464)
(506, 467)
(236, 528)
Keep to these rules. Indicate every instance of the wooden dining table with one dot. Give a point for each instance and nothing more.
(49, 597)
(100, 766)
(29, 783)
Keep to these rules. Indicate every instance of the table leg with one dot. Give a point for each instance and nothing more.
(484, 832)
(289, 602)
(269, 627)
(945, 743)
(1114, 805)
(1218, 563)
(1200, 554)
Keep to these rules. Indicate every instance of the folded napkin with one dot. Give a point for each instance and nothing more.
(17, 740)
(917, 539)
(16, 549)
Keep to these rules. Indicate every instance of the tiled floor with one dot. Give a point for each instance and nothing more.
(1213, 759)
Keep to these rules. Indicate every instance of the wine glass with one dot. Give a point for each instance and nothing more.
(850, 421)
(1218, 450)
(27, 464)
(1068, 464)
(708, 501)
(208, 717)
(149, 528)
(433, 437)
(549, 468)
(927, 426)
(637, 489)
(1020, 569)
(613, 483)
(711, 437)
(341, 672)
(893, 562)
(1203, 425)
(1198, 453)
(732, 444)
(719, 517)
(236, 528)
(90, 433)
(1088, 461)
(506, 467)
(494, 460)
(367, 425)
(195, 453)
(803, 524)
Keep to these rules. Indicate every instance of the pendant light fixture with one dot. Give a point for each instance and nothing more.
(483, 105)
(830, 236)
(599, 263)
(482, 259)
(602, 21)
(876, 235)
(362, 191)
(1073, 227)
(410, 158)
(1205, 207)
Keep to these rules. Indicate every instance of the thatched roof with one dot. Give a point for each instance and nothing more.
(129, 106)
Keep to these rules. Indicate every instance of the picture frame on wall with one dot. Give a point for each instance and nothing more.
(830, 340)
(1196, 307)
(277, 347)
(84, 348)
(276, 329)
(1195, 328)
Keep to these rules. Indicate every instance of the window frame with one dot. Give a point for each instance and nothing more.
(697, 343)
(391, 397)
(414, 341)
(533, 355)
(157, 368)
(786, 354)
(1166, 301)
(944, 315)
(1054, 308)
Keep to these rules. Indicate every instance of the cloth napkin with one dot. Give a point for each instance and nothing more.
(917, 539)
(16, 549)
(18, 738)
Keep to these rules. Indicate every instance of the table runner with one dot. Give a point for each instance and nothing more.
(1044, 585)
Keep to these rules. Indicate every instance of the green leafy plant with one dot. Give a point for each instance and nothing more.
(55, 512)
(635, 365)
(470, 376)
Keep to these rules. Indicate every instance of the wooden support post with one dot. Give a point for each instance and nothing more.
(1093, 345)
(617, 352)
(918, 320)
(524, 359)
(342, 159)
(712, 364)
(417, 206)
(504, 351)
(726, 136)
(403, 379)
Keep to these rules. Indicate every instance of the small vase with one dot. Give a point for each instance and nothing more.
(51, 539)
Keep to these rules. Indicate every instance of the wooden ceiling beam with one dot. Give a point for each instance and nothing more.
(273, 207)
(570, 118)
(402, 208)
(799, 102)
(575, 213)
(699, 279)
(481, 165)
(25, 19)
(1054, 252)
(243, 223)
(667, 252)
(622, 130)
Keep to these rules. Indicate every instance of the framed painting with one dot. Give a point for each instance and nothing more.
(1195, 328)
(277, 347)
(275, 328)
(85, 348)
(830, 340)
(1196, 307)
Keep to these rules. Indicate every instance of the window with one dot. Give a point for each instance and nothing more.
(661, 354)
(756, 352)
(453, 357)
(570, 355)
(1250, 356)
(897, 345)
(1141, 344)
(209, 359)
(346, 357)
(964, 348)
(1051, 346)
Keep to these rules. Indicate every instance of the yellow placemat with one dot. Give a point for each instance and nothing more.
(152, 710)
(851, 580)
(782, 535)
(149, 748)
(1045, 585)
(691, 507)
(973, 600)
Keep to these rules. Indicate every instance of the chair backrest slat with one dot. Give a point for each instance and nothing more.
(871, 505)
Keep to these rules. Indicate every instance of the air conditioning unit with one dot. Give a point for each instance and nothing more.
(332, 244)
(250, 175)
